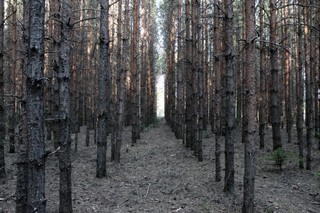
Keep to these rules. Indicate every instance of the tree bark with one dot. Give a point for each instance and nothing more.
(309, 48)
(122, 78)
(288, 105)
(35, 108)
(180, 92)
(22, 170)
(189, 111)
(275, 109)
(218, 98)
(64, 140)
(134, 75)
(102, 104)
(262, 102)
(2, 111)
(249, 145)
(230, 91)
(199, 78)
(300, 90)
(144, 72)
(12, 79)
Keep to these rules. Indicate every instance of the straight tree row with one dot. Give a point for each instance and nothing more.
(242, 64)
(67, 64)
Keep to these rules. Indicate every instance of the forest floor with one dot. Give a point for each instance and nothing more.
(159, 174)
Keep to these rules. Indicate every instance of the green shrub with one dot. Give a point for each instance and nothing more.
(279, 156)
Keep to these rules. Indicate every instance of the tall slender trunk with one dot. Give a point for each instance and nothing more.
(53, 4)
(288, 76)
(122, 78)
(12, 76)
(22, 170)
(218, 98)
(199, 78)
(144, 71)
(134, 74)
(300, 90)
(194, 75)
(275, 108)
(2, 111)
(243, 70)
(318, 83)
(205, 56)
(249, 145)
(310, 50)
(75, 83)
(170, 77)
(262, 102)
(102, 104)
(180, 104)
(55, 69)
(230, 91)
(35, 108)
(64, 140)
(151, 64)
(189, 78)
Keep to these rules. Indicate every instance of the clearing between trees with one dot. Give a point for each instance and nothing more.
(159, 174)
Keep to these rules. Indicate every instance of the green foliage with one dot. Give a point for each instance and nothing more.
(278, 157)
(269, 209)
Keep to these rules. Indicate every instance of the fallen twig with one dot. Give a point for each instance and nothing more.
(149, 184)
(315, 203)
(7, 198)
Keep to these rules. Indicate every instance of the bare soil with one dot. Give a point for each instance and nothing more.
(159, 174)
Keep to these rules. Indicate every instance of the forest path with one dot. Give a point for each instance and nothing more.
(159, 175)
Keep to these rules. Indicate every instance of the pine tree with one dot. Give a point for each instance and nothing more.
(64, 137)
(2, 112)
(230, 91)
(102, 104)
(275, 108)
(249, 143)
(35, 108)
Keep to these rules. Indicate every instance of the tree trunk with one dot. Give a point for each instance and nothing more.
(318, 83)
(288, 75)
(170, 60)
(2, 112)
(102, 104)
(22, 170)
(144, 72)
(180, 93)
(218, 95)
(275, 112)
(309, 48)
(300, 91)
(64, 140)
(151, 65)
(198, 79)
(230, 91)
(134, 75)
(12, 79)
(35, 108)
(249, 145)
(122, 78)
(189, 78)
(262, 102)
(55, 72)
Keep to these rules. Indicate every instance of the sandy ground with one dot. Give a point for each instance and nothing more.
(159, 174)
